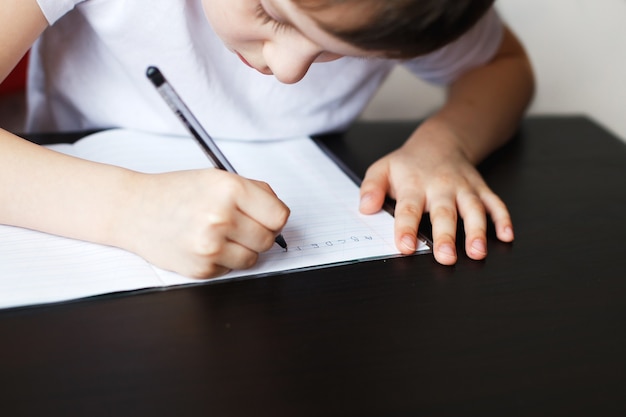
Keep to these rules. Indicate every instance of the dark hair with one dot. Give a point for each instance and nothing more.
(402, 28)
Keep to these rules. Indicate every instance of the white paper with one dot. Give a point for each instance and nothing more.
(324, 228)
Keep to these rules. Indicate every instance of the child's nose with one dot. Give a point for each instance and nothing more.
(290, 61)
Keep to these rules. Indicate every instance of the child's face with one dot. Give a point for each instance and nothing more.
(275, 37)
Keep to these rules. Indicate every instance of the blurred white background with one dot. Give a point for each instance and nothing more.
(578, 51)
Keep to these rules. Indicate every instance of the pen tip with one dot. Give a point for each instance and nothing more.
(281, 242)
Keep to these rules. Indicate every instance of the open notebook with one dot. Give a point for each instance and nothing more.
(324, 228)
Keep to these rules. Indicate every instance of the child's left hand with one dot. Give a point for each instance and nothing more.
(431, 173)
(434, 171)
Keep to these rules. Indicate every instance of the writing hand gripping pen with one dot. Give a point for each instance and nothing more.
(195, 128)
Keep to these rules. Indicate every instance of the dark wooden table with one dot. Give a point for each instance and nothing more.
(538, 329)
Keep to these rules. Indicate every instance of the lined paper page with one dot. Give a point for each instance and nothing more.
(324, 228)
(40, 268)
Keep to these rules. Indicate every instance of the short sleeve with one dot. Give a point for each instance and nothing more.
(474, 48)
(54, 9)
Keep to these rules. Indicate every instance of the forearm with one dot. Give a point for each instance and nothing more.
(48, 191)
(484, 106)
(200, 223)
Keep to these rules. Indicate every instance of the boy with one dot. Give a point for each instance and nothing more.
(88, 73)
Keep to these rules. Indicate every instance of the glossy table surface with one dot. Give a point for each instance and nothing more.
(539, 328)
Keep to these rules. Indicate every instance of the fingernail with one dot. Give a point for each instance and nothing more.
(409, 242)
(447, 250)
(365, 199)
(479, 245)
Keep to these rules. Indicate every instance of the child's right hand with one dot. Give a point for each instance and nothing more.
(200, 223)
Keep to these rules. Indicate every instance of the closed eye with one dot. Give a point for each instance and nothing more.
(265, 18)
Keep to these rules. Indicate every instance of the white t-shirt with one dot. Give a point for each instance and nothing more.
(88, 71)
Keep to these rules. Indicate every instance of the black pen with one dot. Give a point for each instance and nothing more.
(195, 128)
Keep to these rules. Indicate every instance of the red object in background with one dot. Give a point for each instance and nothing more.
(16, 81)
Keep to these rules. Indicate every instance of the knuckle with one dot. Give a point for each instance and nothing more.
(408, 209)
(207, 246)
(210, 249)
(475, 231)
(230, 185)
(411, 184)
(250, 260)
(283, 216)
(496, 208)
(473, 205)
(278, 219)
(262, 242)
(444, 212)
(215, 221)
(498, 205)
(204, 270)
(268, 242)
(492, 199)
(265, 186)
(446, 180)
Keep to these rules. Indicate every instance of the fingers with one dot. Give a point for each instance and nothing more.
(217, 221)
(249, 233)
(246, 212)
(500, 216)
(472, 210)
(473, 205)
(373, 189)
(408, 213)
(232, 241)
(220, 259)
(259, 202)
(227, 247)
(446, 198)
(443, 218)
(236, 235)
(202, 223)
(408, 210)
(232, 256)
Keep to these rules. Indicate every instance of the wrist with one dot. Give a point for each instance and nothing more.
(437, 138)
(122, 218)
